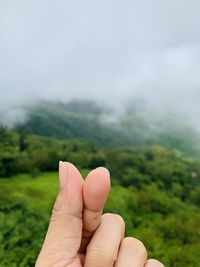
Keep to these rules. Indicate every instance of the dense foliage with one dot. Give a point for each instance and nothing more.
(156, 190)
(152, 160)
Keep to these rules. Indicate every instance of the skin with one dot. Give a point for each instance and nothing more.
(79, 235)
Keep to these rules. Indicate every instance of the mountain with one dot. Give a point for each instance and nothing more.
(135, 126)
(76, 119)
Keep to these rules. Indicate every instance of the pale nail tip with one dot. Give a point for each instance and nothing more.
(103, 168)
(66, 162)
(63, 162)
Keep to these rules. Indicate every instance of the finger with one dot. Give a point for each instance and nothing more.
(153, 263)
(65, 229)
(95, 193)
(132, 253)
(104, 245)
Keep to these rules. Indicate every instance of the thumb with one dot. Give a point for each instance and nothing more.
(63, 237)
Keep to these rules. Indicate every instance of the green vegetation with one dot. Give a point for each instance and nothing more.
(154, 187)
(168, 225)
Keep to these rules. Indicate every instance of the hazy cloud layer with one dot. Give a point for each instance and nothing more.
(107, 50)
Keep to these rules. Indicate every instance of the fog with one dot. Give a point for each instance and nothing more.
(110, 51)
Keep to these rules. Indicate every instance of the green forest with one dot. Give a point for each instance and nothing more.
(154, 168)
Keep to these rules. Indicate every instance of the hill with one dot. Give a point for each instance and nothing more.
(136, 125)
(155, 176)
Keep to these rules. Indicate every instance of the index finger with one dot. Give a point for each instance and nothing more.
(95, 193)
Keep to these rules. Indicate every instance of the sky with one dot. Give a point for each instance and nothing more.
(109, 50)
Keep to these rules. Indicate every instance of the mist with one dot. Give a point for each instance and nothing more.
(107, 51)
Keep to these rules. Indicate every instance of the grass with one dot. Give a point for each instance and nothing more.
(41, 190)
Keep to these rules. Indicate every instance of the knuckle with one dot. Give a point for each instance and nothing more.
(154, 263)
(136, 246)
(96, 253)
(128, 242)
(115, 219)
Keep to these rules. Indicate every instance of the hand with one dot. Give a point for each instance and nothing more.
(78, 234)
(76, 215)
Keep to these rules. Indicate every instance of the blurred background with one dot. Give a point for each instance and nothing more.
(101, 83)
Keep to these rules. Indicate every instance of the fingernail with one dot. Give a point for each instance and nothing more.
(104, 169)
(62, 174)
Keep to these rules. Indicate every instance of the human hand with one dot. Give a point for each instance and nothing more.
(78, 235)
(76, 215)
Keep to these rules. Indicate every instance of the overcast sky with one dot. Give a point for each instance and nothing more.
(109, 50)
